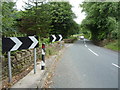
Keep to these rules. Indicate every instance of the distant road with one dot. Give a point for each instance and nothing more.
(85, 65)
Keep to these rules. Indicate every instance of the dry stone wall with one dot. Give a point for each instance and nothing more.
(21, 60)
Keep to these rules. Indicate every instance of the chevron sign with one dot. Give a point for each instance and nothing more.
(54, 38)
(19, 43)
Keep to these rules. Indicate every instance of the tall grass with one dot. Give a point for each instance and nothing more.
(113, 45)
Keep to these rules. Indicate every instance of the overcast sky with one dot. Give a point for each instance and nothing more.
(77, 10)
(75, 3)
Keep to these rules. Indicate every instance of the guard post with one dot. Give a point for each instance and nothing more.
(43, 57)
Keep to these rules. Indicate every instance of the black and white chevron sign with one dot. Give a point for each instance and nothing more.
(54, 38)
(19, 43)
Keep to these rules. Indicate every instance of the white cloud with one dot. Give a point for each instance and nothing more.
(77, 10)
(20, 4)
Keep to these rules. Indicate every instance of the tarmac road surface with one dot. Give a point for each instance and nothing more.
(85, 65)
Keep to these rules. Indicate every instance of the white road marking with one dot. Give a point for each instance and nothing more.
(90, 49)
(93, 52)
(116, 65)
(85, 45)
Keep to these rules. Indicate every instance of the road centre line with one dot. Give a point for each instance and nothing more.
(93, 52)
(115, 65)
(85, 45)
(90, 49)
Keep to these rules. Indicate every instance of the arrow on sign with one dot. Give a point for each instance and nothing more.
(54, 38)
(17, 42)
(60, 37)
(35, 42)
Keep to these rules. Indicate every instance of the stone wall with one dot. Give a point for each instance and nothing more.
(23, 59)
(70, 40)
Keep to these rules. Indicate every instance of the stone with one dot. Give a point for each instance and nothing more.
(18, 56)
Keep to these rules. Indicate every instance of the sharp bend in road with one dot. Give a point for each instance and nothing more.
(85, 65)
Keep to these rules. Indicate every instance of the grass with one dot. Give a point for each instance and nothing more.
(113, 45)
(72, 37)
(50, 51)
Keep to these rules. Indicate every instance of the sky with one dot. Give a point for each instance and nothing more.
(77, 10)
(75, 3)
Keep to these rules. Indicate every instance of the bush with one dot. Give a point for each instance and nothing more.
(113, 45)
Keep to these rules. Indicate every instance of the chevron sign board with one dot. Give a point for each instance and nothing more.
(54, 38)
(19, 43)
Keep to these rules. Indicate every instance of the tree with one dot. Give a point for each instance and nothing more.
(101, 20)
(8, 18)
(62, 19)
(48, 18)
(36, 21)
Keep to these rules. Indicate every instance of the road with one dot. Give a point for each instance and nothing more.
(85, 65)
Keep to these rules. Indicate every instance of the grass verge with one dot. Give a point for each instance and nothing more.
(113, 45)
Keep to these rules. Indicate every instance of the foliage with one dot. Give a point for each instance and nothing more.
(72, 37)
(49, 18)
(50, 51)
(35, 21)
(7, 17)
(113, 45)
(101, 19)
(42, 19)
(85, 32)
(62, 19)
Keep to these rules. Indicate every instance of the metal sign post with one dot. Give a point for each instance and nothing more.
(9, 67)
(19, 43)
(34, 60)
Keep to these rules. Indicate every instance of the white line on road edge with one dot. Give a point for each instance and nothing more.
(93, 52)
(115, 65)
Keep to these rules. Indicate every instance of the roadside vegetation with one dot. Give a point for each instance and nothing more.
(43, 19)
(102, 21)
(113, 45)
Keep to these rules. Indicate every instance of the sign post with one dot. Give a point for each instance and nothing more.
(35, 58)
(18, 43)
(9, 67)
